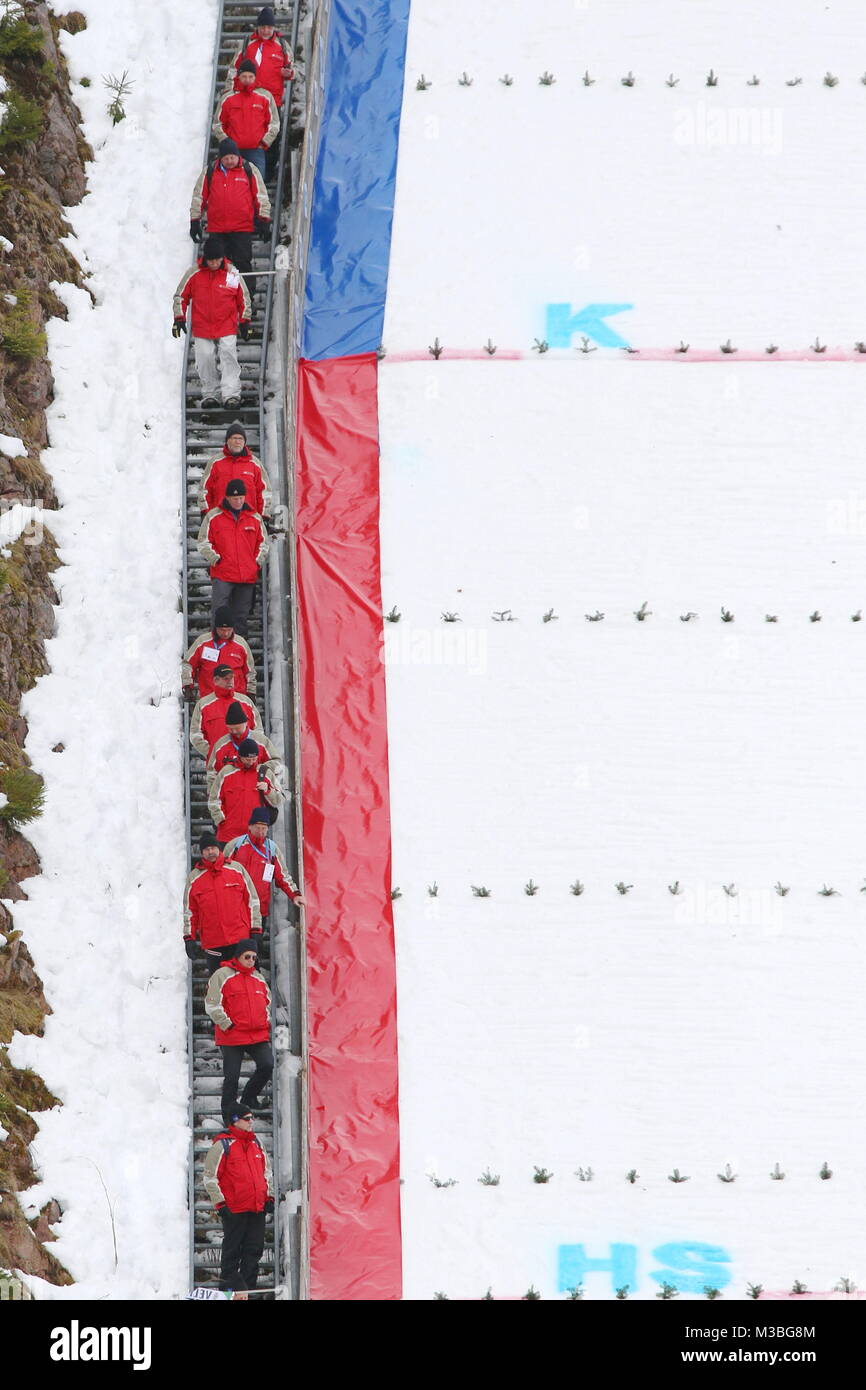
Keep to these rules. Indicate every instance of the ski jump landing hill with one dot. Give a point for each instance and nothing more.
(580, 528)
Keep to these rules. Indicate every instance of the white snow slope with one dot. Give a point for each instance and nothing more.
(103, 920)
(645, 1030)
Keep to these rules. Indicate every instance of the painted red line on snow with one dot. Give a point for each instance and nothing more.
(354, 1140)
(636, 355)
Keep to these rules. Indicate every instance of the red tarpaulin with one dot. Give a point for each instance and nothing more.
(354, 1189)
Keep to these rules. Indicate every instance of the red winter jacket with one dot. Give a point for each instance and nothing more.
(209, 718)
(239, 1003)
(220, 472)
(249, 117)
(232, 198)
(270, 57)
(220, 904)
(233, 543)
(219, 300)
(237, 1171)
(225, 751)
(234, 796)
(207, 652)
(255, 856)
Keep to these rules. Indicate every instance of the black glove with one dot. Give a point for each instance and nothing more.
(243, 331)
(269, 1206)
(178, 327)
(263, 228)
(195, 229)
(189, 692)
(191, 948)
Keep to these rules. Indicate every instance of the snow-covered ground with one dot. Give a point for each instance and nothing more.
(648, 1030)
(103, 920)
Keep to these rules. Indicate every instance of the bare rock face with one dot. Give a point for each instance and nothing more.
(61, 150)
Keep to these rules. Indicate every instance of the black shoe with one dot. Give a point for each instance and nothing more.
(208, 402)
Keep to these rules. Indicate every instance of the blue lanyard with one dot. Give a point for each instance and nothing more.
(267, 856)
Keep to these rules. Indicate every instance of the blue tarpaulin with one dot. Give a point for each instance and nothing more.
(353, 194)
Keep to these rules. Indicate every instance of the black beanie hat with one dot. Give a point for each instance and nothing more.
(235, 428)
(236, 488)
(227, 146)
(248, 748)
(224, 617)
(259, 814)
(206, 840)
(246, 945)
(266, 16)
(236, 714)
(213, 248)
(241, 1112)
(247, 66)
(223, 670)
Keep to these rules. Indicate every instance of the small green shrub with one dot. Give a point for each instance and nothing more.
(19, 41)
(25, 795)
(22, 121)
(20, 337)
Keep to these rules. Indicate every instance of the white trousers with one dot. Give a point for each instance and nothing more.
(228, 382)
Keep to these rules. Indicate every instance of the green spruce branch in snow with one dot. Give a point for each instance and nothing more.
(777, 1175)
(590, 81)
(817, 346)
(771, 617)
(381, 353)
(583, 1174)
(825, 892)
(585, 347)
(441, 1297)
(394, 616)
(677, 1176)
(490, 347)
(815, 617)
(395, 894)
(507, 80)
(489, 1179)
(549, 616)
(632, 1175)
(825, 1171)
(728, 1176)
(546, 79)
(433, 890)
(464, 80)
(596, 617)
(577, 887)
(797, 1287)
(120, 88)
(435, 349)
(753, 81)
(451, 618)
(683, 347)
(422, 84)
(730, 889)
(531, 1294)
(481, 892)
(623, 888)
(712, 79)
(442, 1182)
(541, 1175)
(771, 348)
(675, 888)
(726, 347)
(668, 1291)
(793, 82)
(711, 1292)
(727, 615)
(530, 889)
(845, 1286)
(858, 616)
(688, 617)
(830, 80)
(574, 1293)
(860, 347)
(643, 612)
(754, 1290)
(782, 889)
(629, 80)
(622, 1292)
(503, 615)
(672, 81)
(540, 345)
(488, 1297)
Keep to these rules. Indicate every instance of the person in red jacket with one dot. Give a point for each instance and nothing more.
(263, 862)
(220, 905)
(238, 788)
(233, 539)
(248, 116)
(235, 461)
(227, 750)
(239, 1181)
(232, 193)
(222, 646)
(270, 54)
(220, 315)
(214, 712)
(238, 1002)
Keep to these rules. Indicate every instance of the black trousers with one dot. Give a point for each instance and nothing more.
(239, 598)
(239, 249)
(243, 1243)
(233, 1056)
